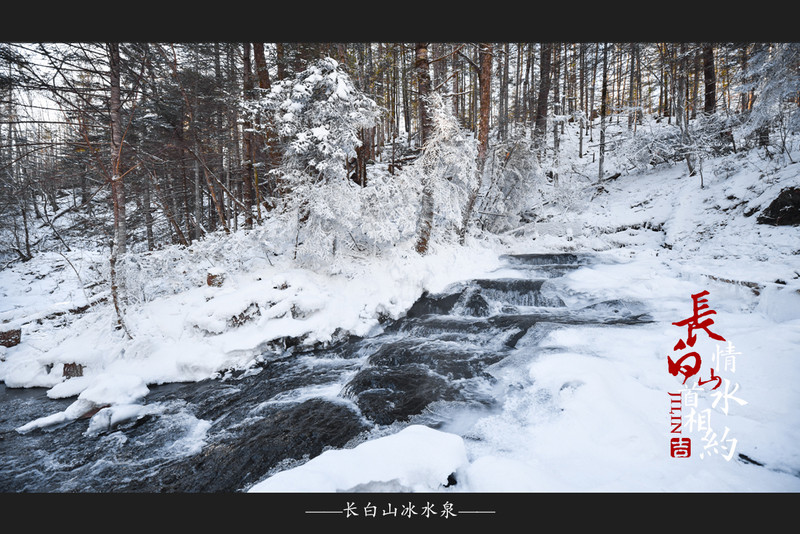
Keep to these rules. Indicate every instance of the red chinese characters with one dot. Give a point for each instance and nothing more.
(694, 323)
(689, 364)
(680, 447)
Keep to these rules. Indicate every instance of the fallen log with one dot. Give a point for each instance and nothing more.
(756, 288)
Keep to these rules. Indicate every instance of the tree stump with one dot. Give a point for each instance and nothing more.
(11, 338)
(215, 278)
(72, 370)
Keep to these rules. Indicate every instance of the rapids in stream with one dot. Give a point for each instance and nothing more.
(225, 434)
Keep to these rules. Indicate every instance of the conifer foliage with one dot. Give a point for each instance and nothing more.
(317, 115)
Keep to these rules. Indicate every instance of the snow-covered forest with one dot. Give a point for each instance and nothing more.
(195, 212)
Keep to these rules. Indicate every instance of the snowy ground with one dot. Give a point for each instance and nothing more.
(589, 415)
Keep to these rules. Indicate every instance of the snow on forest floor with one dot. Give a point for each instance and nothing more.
(589, 414)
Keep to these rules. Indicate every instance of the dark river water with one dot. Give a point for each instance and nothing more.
(226, 434)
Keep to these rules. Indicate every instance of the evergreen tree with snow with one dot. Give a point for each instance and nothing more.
(317, 116)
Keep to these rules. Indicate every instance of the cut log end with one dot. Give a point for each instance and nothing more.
(11, 338)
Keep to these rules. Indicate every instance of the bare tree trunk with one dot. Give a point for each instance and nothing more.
(425, 222)
(663, 108)
(545, 55)
(681, 109)
(198, 193)
(359, 175)
(696, 80)
(421, 67)
(267, 147)
(503, 115)
(557, 109)
(710, 79)
(485, 84)
(581, 92)
(640, 98)
(456, 89)
(530, 90)
(148, 216)
(603, 107)
(406, 93)
(247, 141)
(590, 125)
(485, 80)
(262, 74)
(167, 211)
(220, 199)
(280, 52)
(517, 82)
(235, 158)
(118, 247)
(198, 201)
(117, 184)
(633, 111)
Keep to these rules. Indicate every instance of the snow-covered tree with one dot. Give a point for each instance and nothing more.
(447, 172)
(512, 178)
(774, 77)
(317, 115)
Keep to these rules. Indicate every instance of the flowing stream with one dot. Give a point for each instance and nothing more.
(433, 366)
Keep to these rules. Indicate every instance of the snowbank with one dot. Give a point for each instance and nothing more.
(95, 394)
(422, 459)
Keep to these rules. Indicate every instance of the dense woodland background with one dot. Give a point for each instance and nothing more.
(144, 145)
